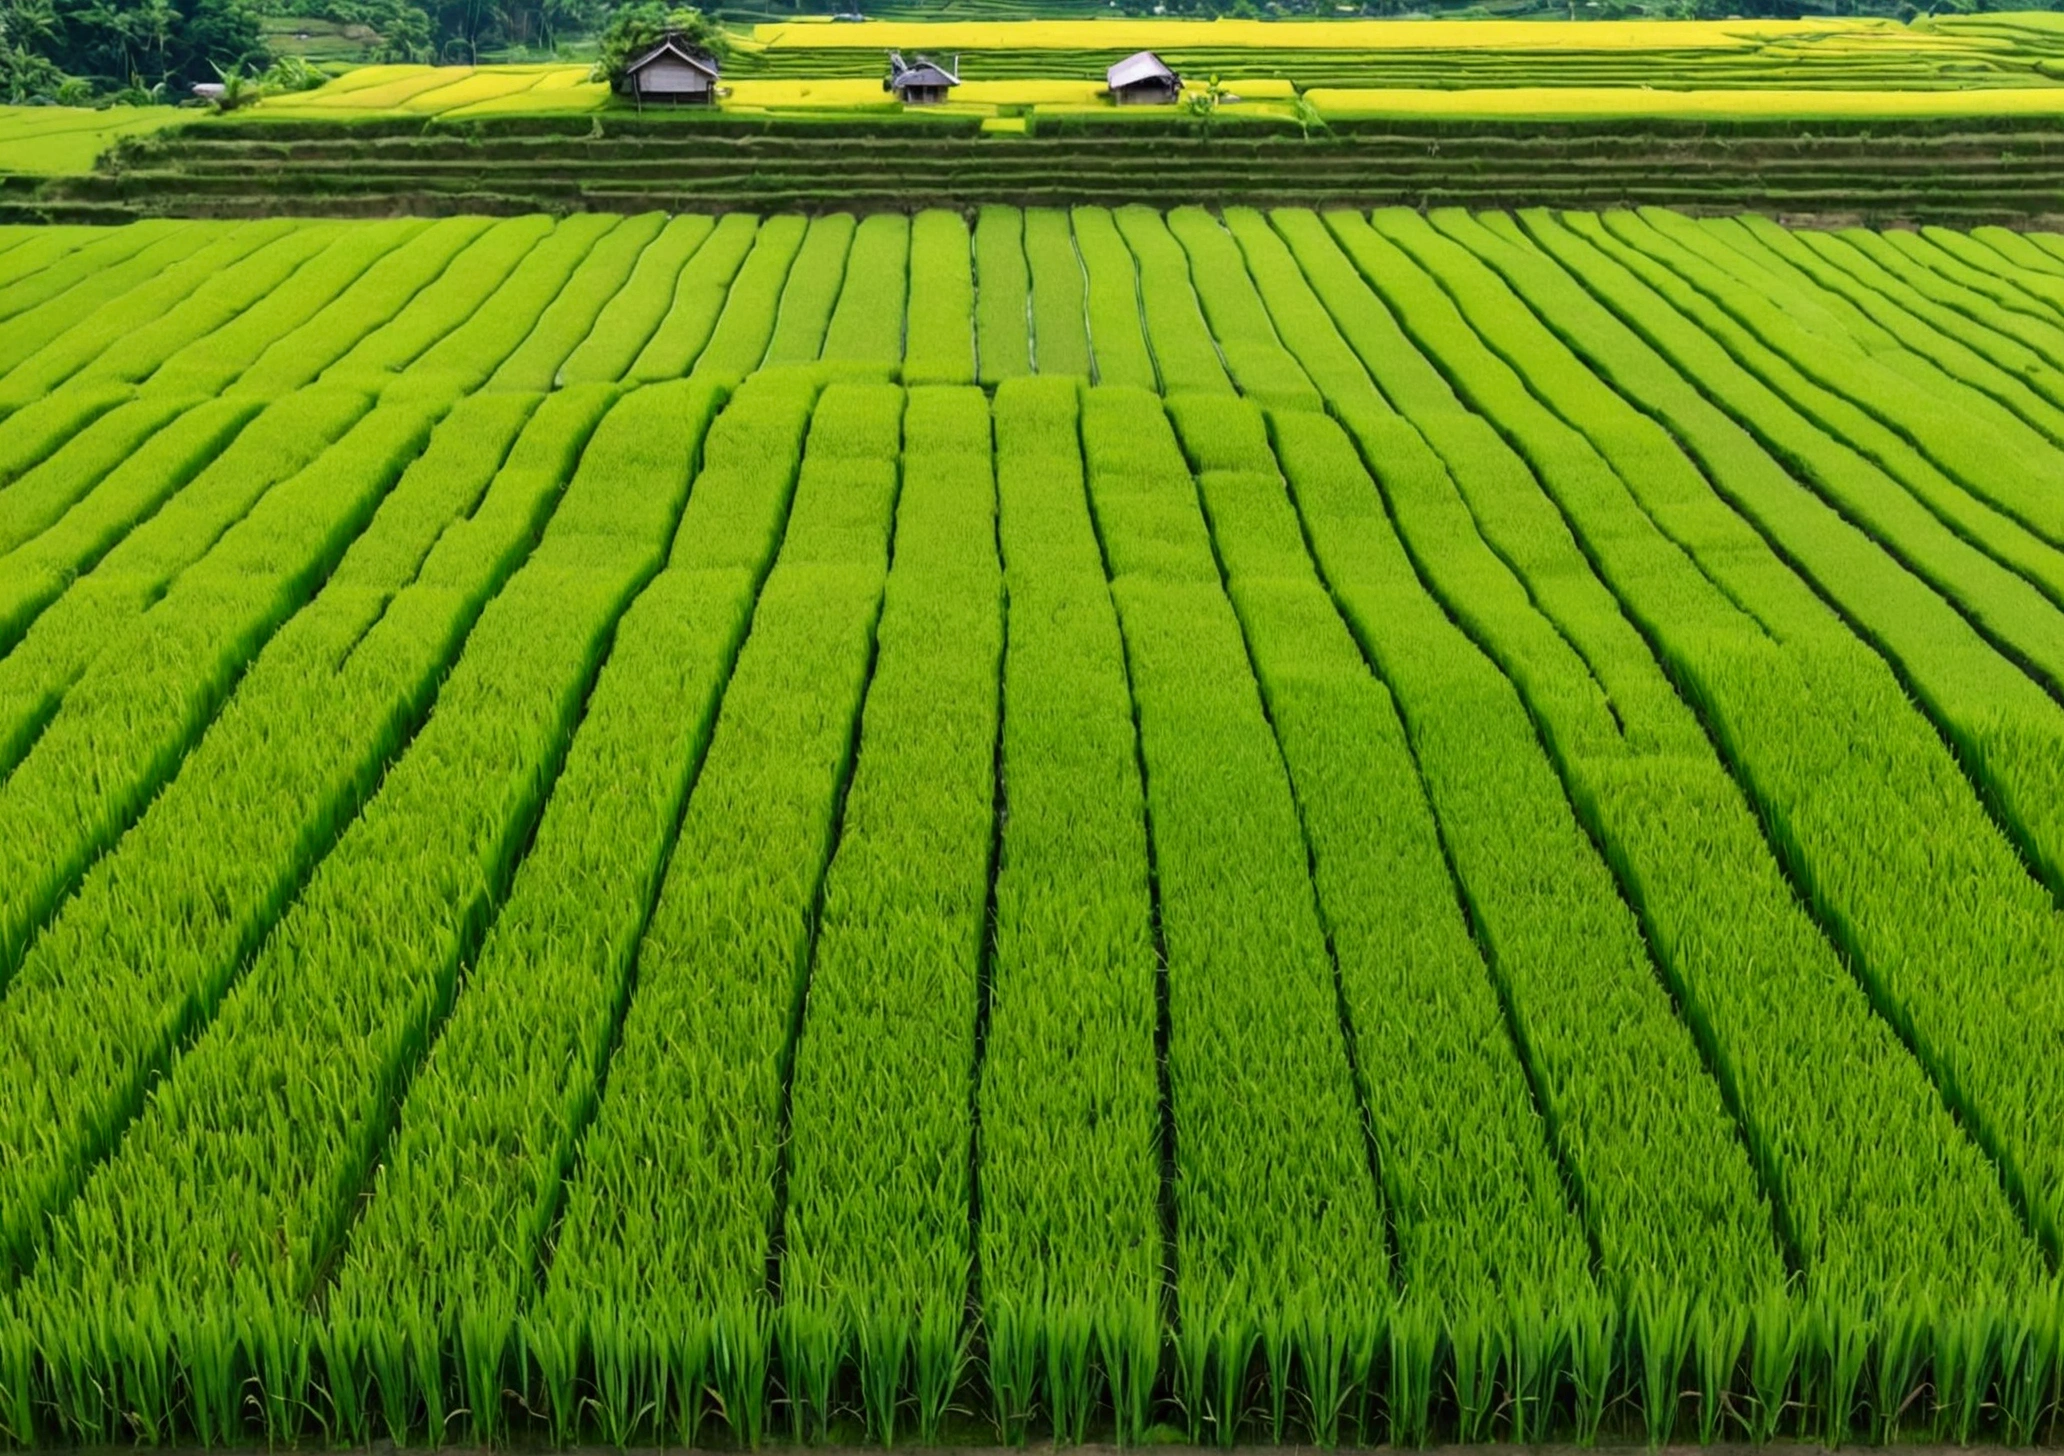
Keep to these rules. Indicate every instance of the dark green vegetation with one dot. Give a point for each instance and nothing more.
(1951, 171)
(1261, 825)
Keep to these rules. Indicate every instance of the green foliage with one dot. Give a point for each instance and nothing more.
(636, 27)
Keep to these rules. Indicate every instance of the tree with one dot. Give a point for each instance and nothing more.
(126, 45)
(638, 27)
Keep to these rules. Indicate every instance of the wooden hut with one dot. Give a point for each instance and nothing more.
(1142, 80)
(672, 71)
(921, 81)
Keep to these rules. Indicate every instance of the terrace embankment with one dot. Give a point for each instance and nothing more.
(1939, 170)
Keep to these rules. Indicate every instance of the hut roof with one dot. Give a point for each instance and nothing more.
(1141, 66)
(672, 44)
(923, 71)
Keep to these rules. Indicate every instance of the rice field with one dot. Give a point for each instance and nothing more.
(1030, 825)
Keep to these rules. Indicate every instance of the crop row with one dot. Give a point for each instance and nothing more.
(1425, 825)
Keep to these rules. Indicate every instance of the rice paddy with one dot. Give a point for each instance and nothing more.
(1032, 824)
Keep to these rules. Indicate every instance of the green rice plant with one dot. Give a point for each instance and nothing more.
(1769, 1044)
(231, 295)
(1780, 709)
(866, 331)
(30, 435)
(811, 292)
(350, 986)
(877, 1232)
(45, 493)
(2021, 343)
(738, 343)
(1868, 472)
(1264, 370)
(658, 1280)
(1483, 1234)
(1291, 1270)
(526, 1047)
(1002, 305)
(37, 571)
(38, 309)
(1060, 313)
(343, 682)
(62, 640)
(2035, 292)
(1981, 356)
(603, 272)
(629, 321)
(145, 691)
(1186, 356)
(38, 248)
(1117, 326)
(1605, 1110)
(699, 298)
(504, 323)
(430, 311)
(1970, 438)
(1068, 1105)
(384, 294)
(121, 320)
(940, 348)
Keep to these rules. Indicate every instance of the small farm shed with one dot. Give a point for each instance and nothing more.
(1142, 79)
(672, 71)
(922, 81)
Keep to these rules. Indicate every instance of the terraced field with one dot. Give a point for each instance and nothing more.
(1339, 826)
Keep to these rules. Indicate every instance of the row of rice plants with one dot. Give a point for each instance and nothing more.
(1807, 1064)
(120, 345)
(812, 291)
(627, 323)
(940, 343)
(41, 495)
(451, 298)
(58, 643)
(2005, 726)
(1003, 338)
(1186, 356)
(466, 358)
(144, 950)
(63, 351)
(275, 1116)
(1068, 1102)
(43, 307)
(1117, 330)
(1060, 315)
(738, 342)
(431, 1293)
(1779, 707)
(394, 287)
(1994, 570)
(569, 318)
(32, 249)
(698, 301)
(2030, 288)
(1290, 1272)
(213, 361)
(1263, 369)
(1852, 263)
(1978, 443)
(147, 688)
(1491, 1262)
(878, 1233)
(1682, 1261)
(865, 336)
(31, 434)
(1958, 346)
(658, 1290)
(34, 574)
(39, 569)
